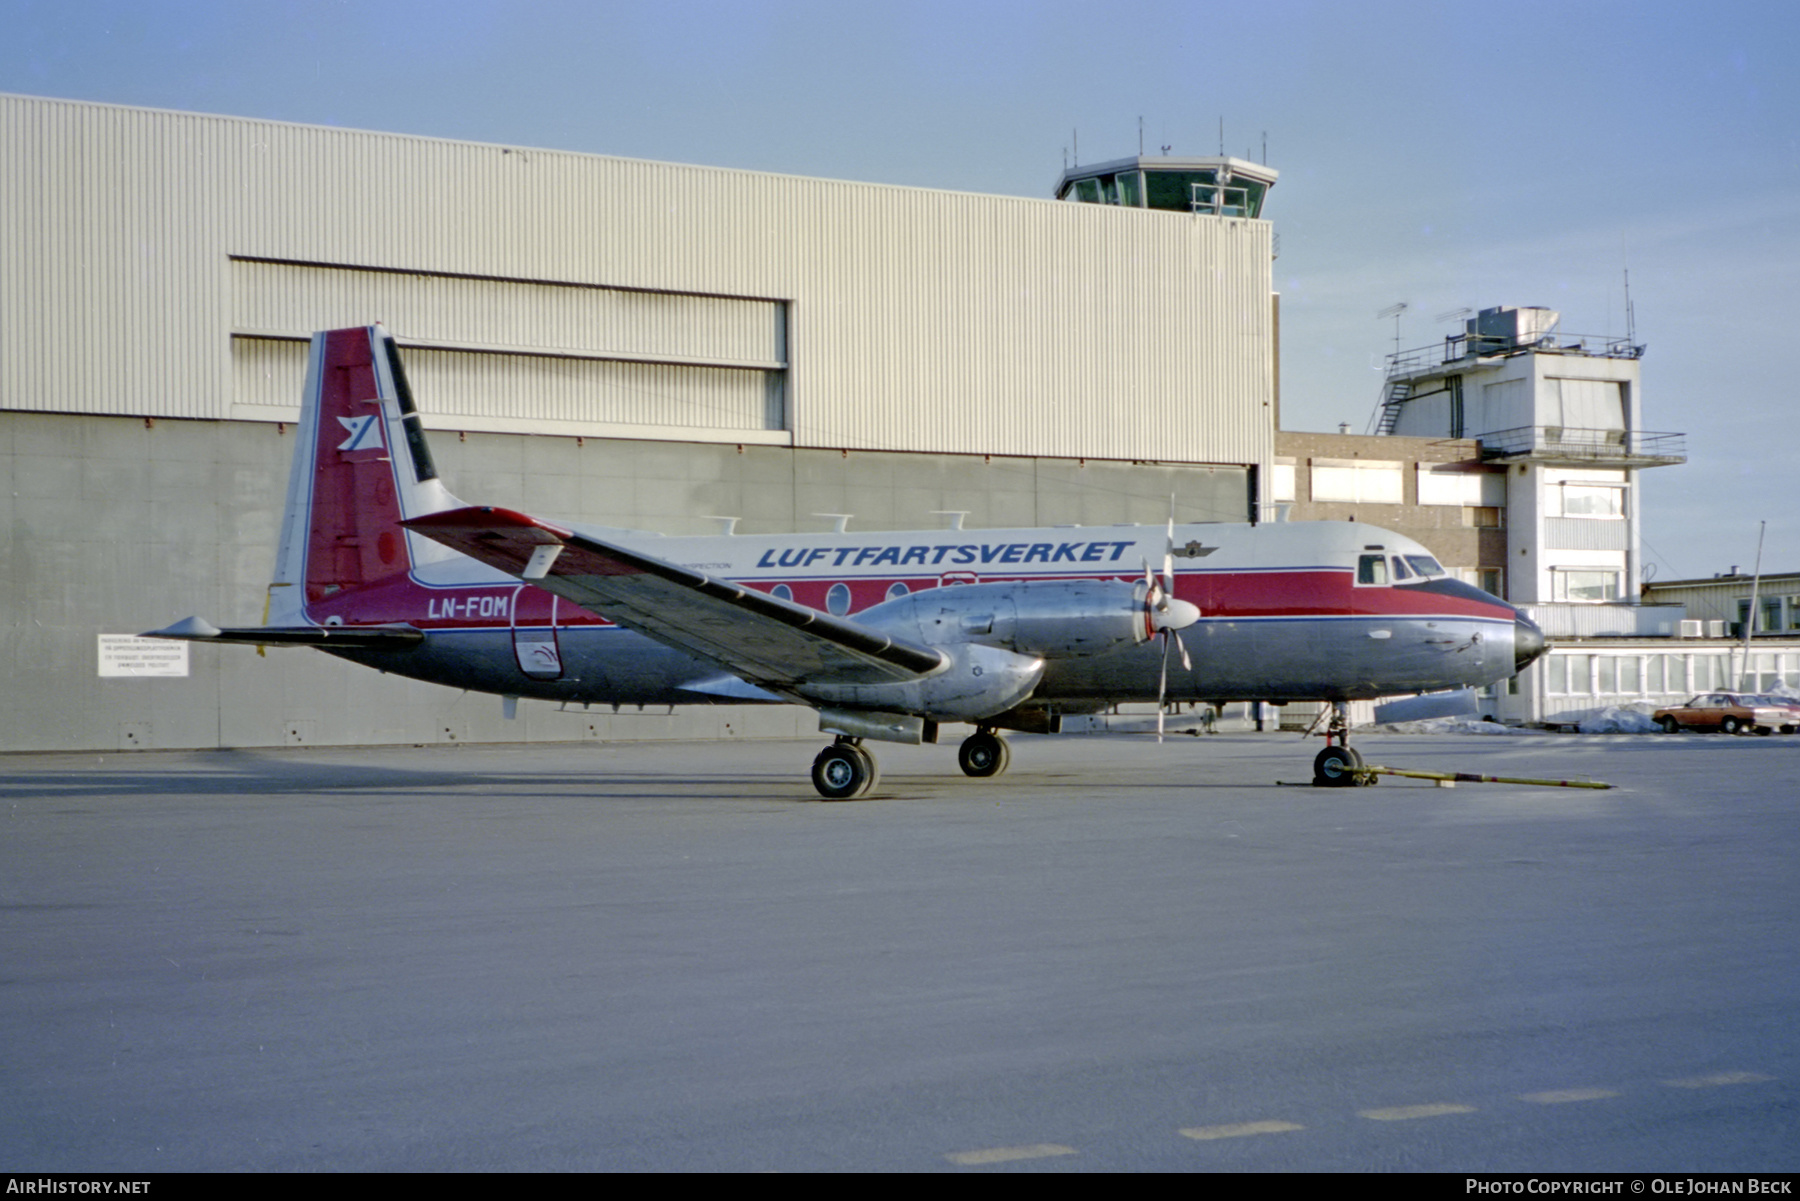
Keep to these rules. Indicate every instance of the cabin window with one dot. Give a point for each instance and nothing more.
(896, 590)
(782, 592)
(837, 601)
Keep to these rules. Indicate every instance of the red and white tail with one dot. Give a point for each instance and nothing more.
(361, 466)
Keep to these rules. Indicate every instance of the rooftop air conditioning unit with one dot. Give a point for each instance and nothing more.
(1691, 629)
(1715, 629)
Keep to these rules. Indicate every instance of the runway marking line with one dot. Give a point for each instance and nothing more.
(1562, 1096)
(1238, 1130)
(1406, 1113)
(1008, 1154)
(1720, 1078)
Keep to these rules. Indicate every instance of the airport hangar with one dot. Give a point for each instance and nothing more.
(589, 338)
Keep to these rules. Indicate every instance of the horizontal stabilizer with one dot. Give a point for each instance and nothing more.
(367, 638)
(771, 642)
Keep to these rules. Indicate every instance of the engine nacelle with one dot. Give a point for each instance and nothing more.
(975, 682)
(1048, 619)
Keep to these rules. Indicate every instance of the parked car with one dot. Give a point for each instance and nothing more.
(1729, 713)
(1789, 703)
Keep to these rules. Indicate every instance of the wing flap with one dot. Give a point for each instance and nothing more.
(768, 641)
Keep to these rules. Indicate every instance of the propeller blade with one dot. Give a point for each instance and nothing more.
(1169, 555)
(1162, 691)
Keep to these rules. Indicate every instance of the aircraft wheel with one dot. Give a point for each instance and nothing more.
(983, 754)
(844, 772)
(1337, 767)
(1670, 725)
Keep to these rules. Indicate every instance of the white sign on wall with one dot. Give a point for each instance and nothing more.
(129, 655)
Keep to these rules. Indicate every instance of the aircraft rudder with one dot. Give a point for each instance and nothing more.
(361, 466)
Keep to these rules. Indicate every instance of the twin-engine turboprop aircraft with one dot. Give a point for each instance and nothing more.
(886, 635)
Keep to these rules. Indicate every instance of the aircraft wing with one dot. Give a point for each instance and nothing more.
(770, 642)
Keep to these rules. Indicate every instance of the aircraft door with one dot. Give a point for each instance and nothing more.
(535, 645)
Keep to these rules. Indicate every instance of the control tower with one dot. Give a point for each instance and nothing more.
(1223, 187)
(1561, 413)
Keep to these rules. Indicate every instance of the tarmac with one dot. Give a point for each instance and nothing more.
(1119, 956)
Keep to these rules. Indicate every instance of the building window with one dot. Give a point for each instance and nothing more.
(1571, 584)
(1281, 481)
(1604, 501)
(1451, 485)
(1482, 517)
(1358, 481)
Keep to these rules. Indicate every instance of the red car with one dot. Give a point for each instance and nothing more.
(1729, 713)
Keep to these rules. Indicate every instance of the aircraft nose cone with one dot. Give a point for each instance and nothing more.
(1528, 643)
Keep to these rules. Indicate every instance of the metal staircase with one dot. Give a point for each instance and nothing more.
(1392, 401)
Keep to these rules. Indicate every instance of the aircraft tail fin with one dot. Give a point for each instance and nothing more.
(361, 467)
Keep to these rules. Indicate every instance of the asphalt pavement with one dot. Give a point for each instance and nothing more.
(1118, 956)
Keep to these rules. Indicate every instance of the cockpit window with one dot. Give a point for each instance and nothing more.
(1425, 565)
(1401, 570)
(1372, 569)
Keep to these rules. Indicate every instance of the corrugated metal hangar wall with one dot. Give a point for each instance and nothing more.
(595, 339)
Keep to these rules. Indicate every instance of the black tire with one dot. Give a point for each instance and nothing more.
(844, 772)
(1729, 725)
(983, 754)
(1669, 725)
(1338, 767)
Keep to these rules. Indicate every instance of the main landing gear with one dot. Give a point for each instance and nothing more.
(846, 770)
(1339, 765)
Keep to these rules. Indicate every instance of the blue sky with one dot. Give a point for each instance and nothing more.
(1441, 154)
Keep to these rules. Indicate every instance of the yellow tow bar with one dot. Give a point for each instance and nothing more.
(1464, 777)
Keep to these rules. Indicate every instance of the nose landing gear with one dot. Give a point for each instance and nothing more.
(1339, 765)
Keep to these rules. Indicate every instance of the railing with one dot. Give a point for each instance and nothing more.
(1462, 346)
(1565, 442)
(1575, 619)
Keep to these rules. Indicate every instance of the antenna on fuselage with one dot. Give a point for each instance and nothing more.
(839, 521)
(955, 515)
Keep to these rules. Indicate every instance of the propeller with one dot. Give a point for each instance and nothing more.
(1166, 615)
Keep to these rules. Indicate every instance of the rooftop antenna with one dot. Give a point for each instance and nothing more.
(1394, 311)
(1140, 137)
(1630, 313)
(1265, 157)
(1221, 137)
(1076, 135)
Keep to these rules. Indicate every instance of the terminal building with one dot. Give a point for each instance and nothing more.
(1514, 451)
